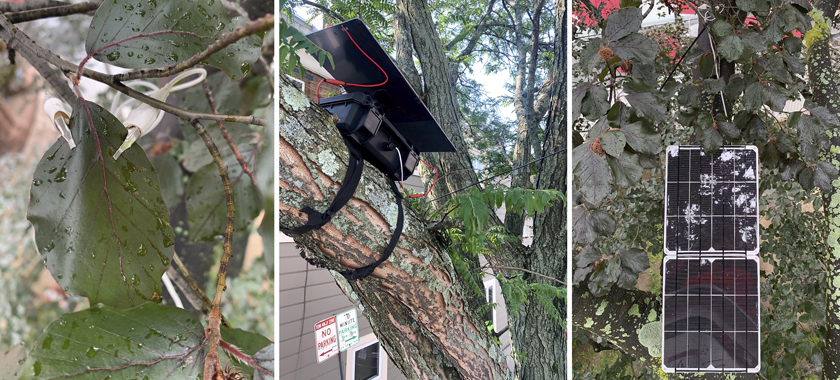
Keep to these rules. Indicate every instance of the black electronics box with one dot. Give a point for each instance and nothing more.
(363, 125)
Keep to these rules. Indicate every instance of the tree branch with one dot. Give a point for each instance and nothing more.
(59, 11)
(18, 40)
(260, 25)
(479, 31)
(211, 363)
(323, 9)
(29, 5)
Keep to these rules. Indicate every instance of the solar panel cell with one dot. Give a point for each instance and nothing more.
(710, 303)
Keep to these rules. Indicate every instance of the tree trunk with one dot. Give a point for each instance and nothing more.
(534, 332)
(414, 300)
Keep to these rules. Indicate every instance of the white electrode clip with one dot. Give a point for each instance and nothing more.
(59, 115)
(143, 119)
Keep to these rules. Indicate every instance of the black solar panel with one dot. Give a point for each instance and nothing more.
(710, 282)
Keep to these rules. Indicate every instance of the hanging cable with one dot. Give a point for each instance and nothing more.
(682, 56)
(500, 174)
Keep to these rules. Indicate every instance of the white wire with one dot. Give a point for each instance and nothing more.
(401, 165)
(171, 289)
(714, 56)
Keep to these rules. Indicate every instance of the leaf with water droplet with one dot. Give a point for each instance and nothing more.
(96, 215)
(188, 27)
(118, 351)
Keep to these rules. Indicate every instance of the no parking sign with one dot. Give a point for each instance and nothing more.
(326, 339)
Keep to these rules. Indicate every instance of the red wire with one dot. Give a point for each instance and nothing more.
(340, 83)
(430, 188)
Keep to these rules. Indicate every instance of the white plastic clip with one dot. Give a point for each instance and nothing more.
(143, 119)
(59, 115)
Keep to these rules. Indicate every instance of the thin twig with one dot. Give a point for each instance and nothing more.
(211, 363)
(15, 36)
(59, 11)
(28, 5)
(259, 25)
(527, 271)
(58, 83)
(231, 144)
(324, 9)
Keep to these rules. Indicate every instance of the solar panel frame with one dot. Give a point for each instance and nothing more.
(696, 207)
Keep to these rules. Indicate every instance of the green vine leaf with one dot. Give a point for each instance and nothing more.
(101, 225)
(154, 34)
(147, 342)
(249, 343)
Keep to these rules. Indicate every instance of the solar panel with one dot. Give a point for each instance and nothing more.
(710, 282)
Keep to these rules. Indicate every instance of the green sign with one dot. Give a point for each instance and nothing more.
(348, 329)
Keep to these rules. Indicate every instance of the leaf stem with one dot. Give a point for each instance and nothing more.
(211, 363)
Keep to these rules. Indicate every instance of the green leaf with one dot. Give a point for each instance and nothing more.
(588, 256)
(595, 104)
(605, 277)
(153, 341)
(826, 118)
(729, 130)
(806, 178)
(474, 212)
(710, 139)
(626, 169)
(730, 47)
(154, 34)
(752, 97)
(170, 175)
(622, 23)
(646, 105)
(750, 5)
(613, 142)
(589, 225)
(642, 139)
(634, 259)
(722, 29)
(206, 205)
(824, 172)
(627, 279)
(101, 225)
(265, 361)
(636, 47)
(774, 98)
(593, 176)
